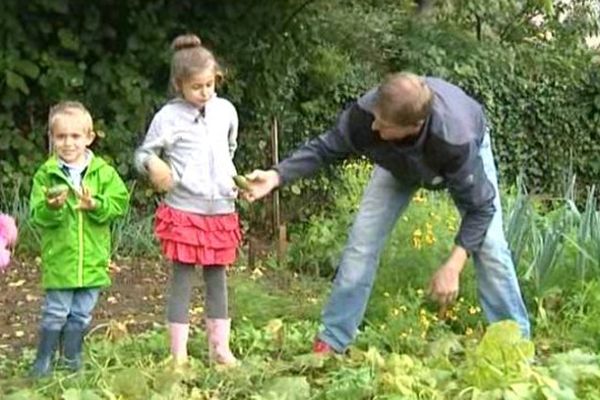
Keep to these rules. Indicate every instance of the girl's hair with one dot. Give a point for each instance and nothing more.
(73, 109)
(404, 99)
(189, 58)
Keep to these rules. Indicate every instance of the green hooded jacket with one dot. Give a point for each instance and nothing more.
(76, 244)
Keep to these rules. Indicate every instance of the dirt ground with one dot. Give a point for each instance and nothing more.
(135, 300)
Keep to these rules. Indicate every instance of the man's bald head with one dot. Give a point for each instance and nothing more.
(404, 99)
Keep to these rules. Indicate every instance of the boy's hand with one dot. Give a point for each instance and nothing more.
(56, 201)
(160, 174)
(86, 201)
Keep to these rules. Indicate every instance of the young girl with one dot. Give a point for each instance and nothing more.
(74, 198)
(195, 133)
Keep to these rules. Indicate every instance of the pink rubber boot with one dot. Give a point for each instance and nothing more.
(218, 331)
(179, 336)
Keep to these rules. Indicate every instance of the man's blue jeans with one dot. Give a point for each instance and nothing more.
(384, 200)
(69, 309)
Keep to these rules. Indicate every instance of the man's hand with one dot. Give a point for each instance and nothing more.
(444, 285)
(260, 184)
(160, 174)
(86, 201)
(57, 201)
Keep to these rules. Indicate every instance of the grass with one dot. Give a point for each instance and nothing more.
(404, 350)
(409, 354)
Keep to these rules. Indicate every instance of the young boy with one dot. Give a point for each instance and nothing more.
(74, 198)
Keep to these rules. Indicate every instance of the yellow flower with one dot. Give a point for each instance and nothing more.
(472, 310)
(403, 308)
(418, 199)
(435, 216)
(429, 238)
(395, 312)
(468, 331)
(417, 237)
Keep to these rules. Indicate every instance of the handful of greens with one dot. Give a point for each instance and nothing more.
(57, 190)
(241, 182)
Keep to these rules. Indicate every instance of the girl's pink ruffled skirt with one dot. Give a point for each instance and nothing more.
(197, 239)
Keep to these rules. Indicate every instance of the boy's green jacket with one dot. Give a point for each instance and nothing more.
(76, 244)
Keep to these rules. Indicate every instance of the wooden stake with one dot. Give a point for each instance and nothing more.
(279, 229)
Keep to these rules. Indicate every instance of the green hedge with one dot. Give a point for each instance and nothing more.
(542, 98)
(297, 60)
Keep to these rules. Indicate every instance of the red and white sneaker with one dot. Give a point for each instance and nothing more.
(321, 348)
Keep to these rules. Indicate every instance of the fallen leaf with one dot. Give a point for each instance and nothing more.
(197, 310)
(18, 283)
(31, 297)
(113, 267)
(19, 334)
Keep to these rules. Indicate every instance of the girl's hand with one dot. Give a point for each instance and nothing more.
(160, 174)
(86, 201)
(57, 201)
(260, 183)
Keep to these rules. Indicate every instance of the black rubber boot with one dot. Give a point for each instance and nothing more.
(48, 342)
(72, 341)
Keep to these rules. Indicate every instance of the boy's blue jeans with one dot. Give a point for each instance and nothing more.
(383, 202)
(68, 309)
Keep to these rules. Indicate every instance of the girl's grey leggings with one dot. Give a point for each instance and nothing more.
(180, 292)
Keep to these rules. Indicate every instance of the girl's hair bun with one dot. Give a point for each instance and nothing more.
(188, 41)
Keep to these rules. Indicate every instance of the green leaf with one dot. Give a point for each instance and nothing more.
(502, 356)
(548, 6)
(16, 81)
(68, 40)
(287, 388)
(27, 68)
(310, 360)
(131, 384)
(25, 394)
(78, 394)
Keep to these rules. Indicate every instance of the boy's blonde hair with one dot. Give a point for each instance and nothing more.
(190, 58)
(72, 109)
(404, 99)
